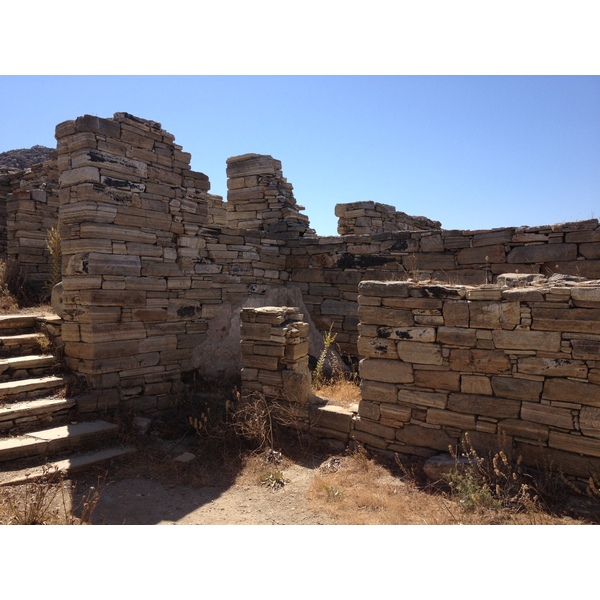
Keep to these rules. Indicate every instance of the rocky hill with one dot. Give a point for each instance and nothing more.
(24, 157)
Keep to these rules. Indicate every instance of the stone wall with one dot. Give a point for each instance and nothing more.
(514, 363)
(260, 198)
(156, 270)
(31, 211)
(9, 181)
(368, 218)
(130, 211)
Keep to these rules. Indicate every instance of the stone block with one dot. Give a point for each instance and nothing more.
(388, 317)
(456, 313)
(422, 398)
(547, 415)
(523, 429)
(577, 444)
(437, 379)
(385, 370)
(457, 336)
(376, 391)
(420, 353)
(589, 421)
(475, 384)
(481, 255)
(586, 349)
(552, 367)
(415, 435)
(487, 406)
(579, 320)
(527, 340)
(519, 389)
(394, 415)
(542, 253)
(377, 348)
(479, 361)
(450, 419)
(494, 315)
(567, 390)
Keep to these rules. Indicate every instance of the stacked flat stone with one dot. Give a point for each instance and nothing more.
(368, 218)
(274, 345)
(10, 179)
(130, 210)
(516, 363)
(260, 198)
(31, 211)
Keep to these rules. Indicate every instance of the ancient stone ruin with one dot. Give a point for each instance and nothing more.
(492, 332)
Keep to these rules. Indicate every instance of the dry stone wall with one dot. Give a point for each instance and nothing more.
(515, 363)
(368, 218)
(31, 211)
(156, 270)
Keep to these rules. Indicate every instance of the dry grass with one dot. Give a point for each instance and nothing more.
(341, 391)
(358, 490)
(47, 501)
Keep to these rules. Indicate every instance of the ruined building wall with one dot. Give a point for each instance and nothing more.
(368, 218)
(9, 181)
(156, 269)
(31, 211)
(507, 365)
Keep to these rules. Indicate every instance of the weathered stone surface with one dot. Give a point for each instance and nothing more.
(488, 406)
(566, 390)
(494, 315)
(519, 389)
(475, 384)
(589, 421)
(450, 419)
(414, 435)
(457, 336)
(552, 367)
(479, 361)
(376, 391)
(527, 340)
(420, 353)
(438, 379)
(385, 370)
(422, 398)
(582, 320)
(542, 253)
(548, 415)
(577, 444)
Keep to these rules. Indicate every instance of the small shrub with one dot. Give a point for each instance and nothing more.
(53, 243)
(495, 482)
(273, 480)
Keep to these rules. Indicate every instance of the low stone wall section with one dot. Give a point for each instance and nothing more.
(513, 364)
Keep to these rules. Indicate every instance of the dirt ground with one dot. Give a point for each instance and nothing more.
(144, 501)
(151, 488)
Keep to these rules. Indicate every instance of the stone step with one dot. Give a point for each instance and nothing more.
(32, 413)
(29, 388)
(10, 324)
(77, 462)
(19, 344)
(25, 366)
(56, 439)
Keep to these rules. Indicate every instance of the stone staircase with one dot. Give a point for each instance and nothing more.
(38, 421)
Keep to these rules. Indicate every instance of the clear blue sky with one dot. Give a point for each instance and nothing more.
(473, 152)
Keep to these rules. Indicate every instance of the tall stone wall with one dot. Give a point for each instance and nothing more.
(156, 269)
(9, 181)
(31, 211)
(130, 211)
(509, 364)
